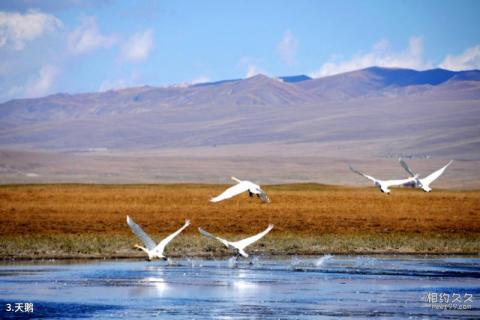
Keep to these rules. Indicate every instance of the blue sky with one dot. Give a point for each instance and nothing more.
(82, 45)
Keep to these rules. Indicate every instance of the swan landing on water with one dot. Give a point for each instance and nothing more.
(238, 246)
(241, 187)
(424, 183)
(384, 185)
(151, 248)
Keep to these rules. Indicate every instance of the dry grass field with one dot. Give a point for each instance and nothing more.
(70, 221)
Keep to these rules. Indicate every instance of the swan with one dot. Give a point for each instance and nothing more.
(240, 187)
(151, 248)
(384, 185)
(238, 246)
(424, 183)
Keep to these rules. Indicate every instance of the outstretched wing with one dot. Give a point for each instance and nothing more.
(406, 167)
(209, 235)
(432, 177)
(236, 180)
(232, 191)
(362, 174)
(391, 183)
(147, 241)
(248, 241)
(161, 246)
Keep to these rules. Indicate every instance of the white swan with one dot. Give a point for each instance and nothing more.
(384, 185)
(152, 249)
(424, 183)
(238, 246)
(240, 187)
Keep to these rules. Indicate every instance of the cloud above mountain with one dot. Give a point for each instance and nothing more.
(16, 29)
(87, 37)
(467, 60)
(252, 70)
(287, 48)
(138, 47)
(381, 54)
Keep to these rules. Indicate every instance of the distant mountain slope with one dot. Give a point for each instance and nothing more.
(295, 79)
(376, 81)
(257, 90)
(384, 111)
(289, 79)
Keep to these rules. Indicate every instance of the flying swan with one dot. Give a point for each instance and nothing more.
(424, 183)
(240, 187)
(384, 185)
(238, 246)
(152, 249)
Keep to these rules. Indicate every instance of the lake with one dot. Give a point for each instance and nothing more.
(356, 287)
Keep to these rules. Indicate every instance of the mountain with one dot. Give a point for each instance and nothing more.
(291, 79)
(295, 79)
(374, 111)
(257, 90)
(382, 81)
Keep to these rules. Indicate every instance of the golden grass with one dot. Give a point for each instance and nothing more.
(89, 220)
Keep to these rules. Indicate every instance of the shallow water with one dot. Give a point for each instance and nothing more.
(356, 287)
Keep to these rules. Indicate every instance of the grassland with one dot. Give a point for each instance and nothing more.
(80, 221)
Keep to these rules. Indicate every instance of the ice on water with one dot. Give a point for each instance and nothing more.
(357, 287)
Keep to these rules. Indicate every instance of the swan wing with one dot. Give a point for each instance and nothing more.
(362, 174)
(390, 183)
(211, 236)
(232, 191)
(161, 246)
(406, 167)
(236, 180)
(248, 241)
(147, 241)
(434, 176)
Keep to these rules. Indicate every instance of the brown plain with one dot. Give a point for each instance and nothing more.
(298, 210)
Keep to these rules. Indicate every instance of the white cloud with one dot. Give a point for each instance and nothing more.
(251, 64)
(16, 29)
(138, 46)
(467, 60)
(253, 70)
(200, 79)
(381, 55)
(41, 83)
(87, 37)
(120, 83)
(287, 48)
(114, 84)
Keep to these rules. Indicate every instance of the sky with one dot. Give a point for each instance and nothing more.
(74, 46)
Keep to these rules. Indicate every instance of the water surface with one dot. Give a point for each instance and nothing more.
(356, 287)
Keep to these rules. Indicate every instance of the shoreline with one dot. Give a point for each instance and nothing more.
(104, 246)
(94, 258)
(208, 257)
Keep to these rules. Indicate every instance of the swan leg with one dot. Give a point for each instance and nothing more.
(250, 193)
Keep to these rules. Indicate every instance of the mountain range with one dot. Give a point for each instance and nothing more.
(375, 111)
